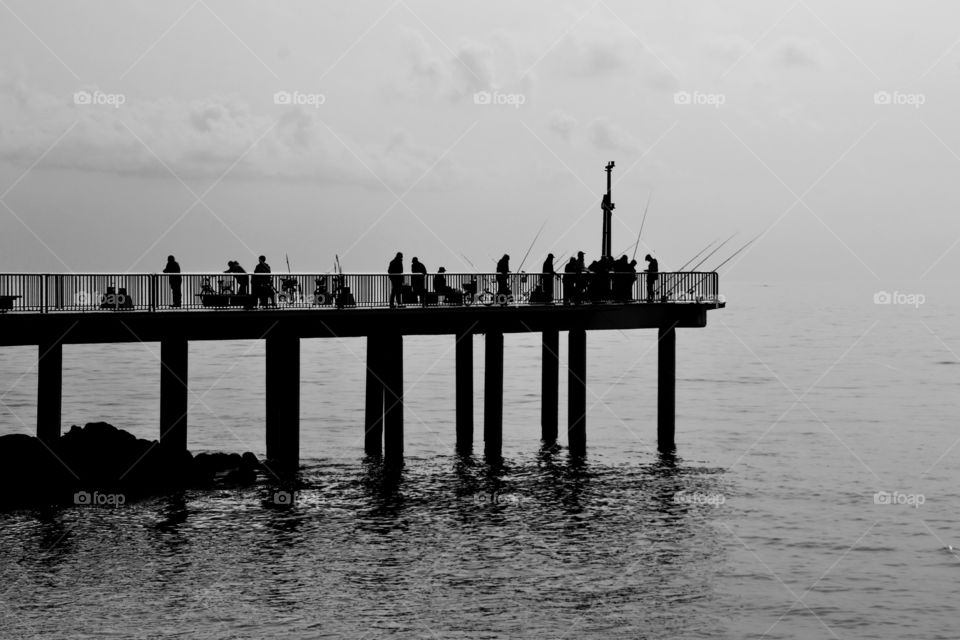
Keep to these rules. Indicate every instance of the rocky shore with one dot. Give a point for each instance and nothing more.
(99, 463)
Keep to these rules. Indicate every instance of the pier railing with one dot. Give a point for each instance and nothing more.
(89, 292)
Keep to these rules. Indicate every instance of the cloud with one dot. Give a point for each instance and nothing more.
(797, 52)
(205, 139)
(604, 135)
(727, 48)
(561, 123)
(431, 70)
(603, 49)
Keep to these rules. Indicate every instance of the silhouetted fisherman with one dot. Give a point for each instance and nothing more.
(580, 287)
(547, 283)
(597, 281)
(623, 278)
(440, 286)
(503, 271)
(176, 282)
(262, 284)
(418, 282)
(395, 270)
(570, 271)
(243, 281)
(440, 282)
(652, 271)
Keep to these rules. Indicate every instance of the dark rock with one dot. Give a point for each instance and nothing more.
(100, 457)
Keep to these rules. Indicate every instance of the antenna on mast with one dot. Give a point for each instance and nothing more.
(608, 207)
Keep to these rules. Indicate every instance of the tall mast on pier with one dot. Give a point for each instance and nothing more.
(607, 206)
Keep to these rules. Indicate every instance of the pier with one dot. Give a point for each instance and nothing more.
(52, 310)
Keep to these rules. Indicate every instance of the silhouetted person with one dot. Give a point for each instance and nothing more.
(440, 281)
(503, 271)
(547, 283)
(652, 271)
(263, 284)
(580, 286)
(176, 282)
(441, 288)
(395, 269)
(418, 282)
(243, 281)
(570, 281)
(622, 279)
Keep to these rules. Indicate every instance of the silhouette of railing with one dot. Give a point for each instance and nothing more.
(90, 292)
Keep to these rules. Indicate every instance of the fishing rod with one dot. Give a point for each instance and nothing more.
(755, 238)
(694, 268)
(678, 284)
(520, 268)
(697, 284)
(697, 256)
(470, 263)
(642, 222)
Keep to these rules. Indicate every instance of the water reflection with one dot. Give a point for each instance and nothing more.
(567, 541)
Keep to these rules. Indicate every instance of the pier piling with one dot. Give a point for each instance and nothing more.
(283, 400)
(464, 392)
(666, 388)
(49, 390)
(373, 415)
(173, 393)
(549, 386)
(493, 394)
(393, 396)
(577, 391)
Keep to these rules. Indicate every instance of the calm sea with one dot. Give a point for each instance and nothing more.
(795, 407)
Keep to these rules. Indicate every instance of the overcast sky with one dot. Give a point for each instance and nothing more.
(453, 130)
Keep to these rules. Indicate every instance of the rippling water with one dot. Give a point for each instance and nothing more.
(795, 407)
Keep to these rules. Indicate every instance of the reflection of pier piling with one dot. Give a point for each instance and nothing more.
(684, 301)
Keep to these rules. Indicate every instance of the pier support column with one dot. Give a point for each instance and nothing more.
(549, 386)
(173, 394)
(666, 389)
(373, 418)
(283, 401)
(393, 397)
(49, 391)
(493, 394)
(577, 391)
(464, 385)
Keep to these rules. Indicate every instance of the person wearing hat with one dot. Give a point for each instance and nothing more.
(441, 288)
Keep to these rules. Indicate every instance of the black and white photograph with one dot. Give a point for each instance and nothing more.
(563, 320)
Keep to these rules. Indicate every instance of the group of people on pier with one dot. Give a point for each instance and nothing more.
(603, 280)
(263, 289)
